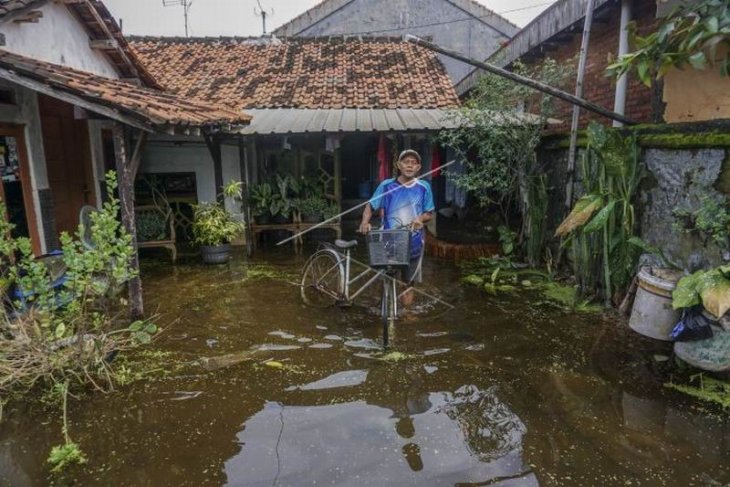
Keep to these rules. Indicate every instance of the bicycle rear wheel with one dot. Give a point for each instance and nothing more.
(323, 279)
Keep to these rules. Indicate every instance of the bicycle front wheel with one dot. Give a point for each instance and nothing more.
(323, 279)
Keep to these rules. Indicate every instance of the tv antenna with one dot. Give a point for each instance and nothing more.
(261, 12)
(185, 5)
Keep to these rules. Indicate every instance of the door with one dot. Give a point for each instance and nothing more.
(68, 161)
(16, 189)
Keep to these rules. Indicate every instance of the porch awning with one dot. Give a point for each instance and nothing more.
(333, 120)
(290, 121)
(143, 108)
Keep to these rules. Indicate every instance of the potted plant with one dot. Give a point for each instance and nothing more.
(262, 196)
(281, 200)
(214, 227)
(311, 209)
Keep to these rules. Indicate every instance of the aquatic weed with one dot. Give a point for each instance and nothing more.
(710, 389)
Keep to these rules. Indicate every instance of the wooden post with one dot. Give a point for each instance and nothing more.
(246, 202)
(214, 147)
(125, 176)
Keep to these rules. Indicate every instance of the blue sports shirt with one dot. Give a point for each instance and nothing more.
(402, 205)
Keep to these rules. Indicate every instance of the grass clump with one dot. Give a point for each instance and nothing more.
(707, 389)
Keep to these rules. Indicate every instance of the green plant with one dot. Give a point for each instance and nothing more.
(602, 223)
(313, 205)
(507, 238)
(711, 220)
(711, 288)
(63, 339)
(151, 225)
(261, 198)
(214, 225)
(498, 141)
(691, 34)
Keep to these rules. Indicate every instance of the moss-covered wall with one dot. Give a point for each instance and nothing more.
(683, 162)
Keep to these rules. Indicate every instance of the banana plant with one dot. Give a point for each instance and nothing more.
(601, 225)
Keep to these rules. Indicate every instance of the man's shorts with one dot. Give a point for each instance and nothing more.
(412, 274)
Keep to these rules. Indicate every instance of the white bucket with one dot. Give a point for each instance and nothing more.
(652, 314)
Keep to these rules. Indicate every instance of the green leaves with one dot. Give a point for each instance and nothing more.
(213, 224)
(709, 288)
(142, 331)
(689, 35)
(598, 221)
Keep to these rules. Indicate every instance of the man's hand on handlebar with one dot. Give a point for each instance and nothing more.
(365, 227)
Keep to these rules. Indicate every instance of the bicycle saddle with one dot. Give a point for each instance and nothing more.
(345, 244)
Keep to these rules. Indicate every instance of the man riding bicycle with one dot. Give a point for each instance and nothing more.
(405, 201)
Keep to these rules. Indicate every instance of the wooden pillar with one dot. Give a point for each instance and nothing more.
(214, 147)
(246, 200)
(126, 169)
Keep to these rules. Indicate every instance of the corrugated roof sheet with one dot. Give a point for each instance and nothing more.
(301, 121)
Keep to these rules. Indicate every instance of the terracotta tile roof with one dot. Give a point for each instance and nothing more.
(299, 72)
(7, 6)
(146, 106)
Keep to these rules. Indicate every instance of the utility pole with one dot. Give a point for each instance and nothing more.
(261, 12)
(186, 4)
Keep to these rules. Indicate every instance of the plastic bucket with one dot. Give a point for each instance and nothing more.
(653, 315)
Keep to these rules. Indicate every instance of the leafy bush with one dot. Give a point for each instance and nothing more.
(212, 223)
(59, 339)
(711, 220)
(690, 35)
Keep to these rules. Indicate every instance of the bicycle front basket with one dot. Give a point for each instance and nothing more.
(389, 247)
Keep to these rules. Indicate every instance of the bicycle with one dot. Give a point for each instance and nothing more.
(326, 275)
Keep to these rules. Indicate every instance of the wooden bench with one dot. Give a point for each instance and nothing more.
(167, 215)
(295, 228)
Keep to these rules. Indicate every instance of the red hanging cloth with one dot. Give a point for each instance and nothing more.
(435, 161)
(383, 158)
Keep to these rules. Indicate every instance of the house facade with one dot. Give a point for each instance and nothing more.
(465, 26)
(322, 108)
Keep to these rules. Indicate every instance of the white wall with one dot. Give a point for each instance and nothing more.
(161, 155)
(57, 38)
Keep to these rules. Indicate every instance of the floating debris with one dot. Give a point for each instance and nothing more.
(282, 334)
(304, 340)
(430, 369)
(320, 345)
(348, 378)
(275, 347)
(433, 334)
(222, 361)
(185, 395)
(211, 342)
(321, 327)
(436, 351)
(335, 338)
(366, 343)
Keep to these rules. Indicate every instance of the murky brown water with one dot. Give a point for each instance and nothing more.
(491, 393)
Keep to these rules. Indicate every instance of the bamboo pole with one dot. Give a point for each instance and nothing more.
(537, 85)
(570, 174)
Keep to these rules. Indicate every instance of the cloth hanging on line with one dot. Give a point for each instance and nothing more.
(383, 157)
(453, 193)
(332, 143)
(435, 161)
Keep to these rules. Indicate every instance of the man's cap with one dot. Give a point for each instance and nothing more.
(409, 152)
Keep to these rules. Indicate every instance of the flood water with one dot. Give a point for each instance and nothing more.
(259, 390)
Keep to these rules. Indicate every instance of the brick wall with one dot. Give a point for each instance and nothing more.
(599, 88)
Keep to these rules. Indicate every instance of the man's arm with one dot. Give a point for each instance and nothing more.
(367, 214)
(420, 220)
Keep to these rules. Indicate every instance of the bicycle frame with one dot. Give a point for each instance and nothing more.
(347, 260)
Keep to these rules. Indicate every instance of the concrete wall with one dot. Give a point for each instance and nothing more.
(162, 155)
(393, 18)
(57, 38)
(680, 168)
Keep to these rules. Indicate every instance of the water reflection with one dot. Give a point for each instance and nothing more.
(439, 438)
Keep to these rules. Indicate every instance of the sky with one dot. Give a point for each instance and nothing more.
(237, 17)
